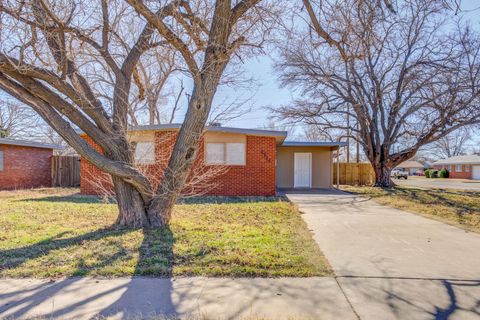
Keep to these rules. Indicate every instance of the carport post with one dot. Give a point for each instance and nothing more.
(338, 168)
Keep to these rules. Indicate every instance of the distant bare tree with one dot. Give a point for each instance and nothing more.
(405, 75)
(16, 120)
(54, 56)
(453, 144)
(315, 133)
(152, 91)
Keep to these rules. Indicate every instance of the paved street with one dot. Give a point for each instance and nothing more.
(422, 182)
(394, 263)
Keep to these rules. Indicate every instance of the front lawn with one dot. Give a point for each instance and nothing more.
(460, 208)
(55, 232)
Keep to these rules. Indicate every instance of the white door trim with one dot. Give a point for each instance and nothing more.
(295, 169)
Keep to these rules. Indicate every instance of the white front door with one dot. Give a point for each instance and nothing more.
(302, 170)
(476, 172)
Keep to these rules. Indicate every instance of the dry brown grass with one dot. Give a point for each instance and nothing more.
(456, 207)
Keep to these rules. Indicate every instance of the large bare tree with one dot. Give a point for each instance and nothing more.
(407, 73)
(51, 53)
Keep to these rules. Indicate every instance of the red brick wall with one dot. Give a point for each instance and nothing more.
(457, 175)
(25, 167)
(256, 178)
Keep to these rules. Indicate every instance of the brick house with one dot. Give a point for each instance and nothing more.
(25, 164)
(413, 167)
(230, 161)
(461, 167)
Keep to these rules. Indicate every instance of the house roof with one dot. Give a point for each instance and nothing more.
(27, 143)
(410, 164)
(278, 134)
(314, 144)
(176, 126)
(469, 159)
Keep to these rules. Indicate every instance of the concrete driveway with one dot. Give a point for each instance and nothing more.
(422, 182)
(392, 263)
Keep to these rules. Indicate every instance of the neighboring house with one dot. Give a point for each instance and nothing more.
(25, 164)
(462, 167)
(251, 162)
(411, 166)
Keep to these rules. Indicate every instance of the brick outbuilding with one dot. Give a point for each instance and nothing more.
(25, 164)
(230, 162)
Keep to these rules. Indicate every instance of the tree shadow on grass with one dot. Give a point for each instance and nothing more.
(227, 199)
(76, 198)
(12, 258)
(85, 199)
(155, 258)
(437, 196)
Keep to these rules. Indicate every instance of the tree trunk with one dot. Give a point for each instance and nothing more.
(182, 158)
(132, 212)
(382, 175)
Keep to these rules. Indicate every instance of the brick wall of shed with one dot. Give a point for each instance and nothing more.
(256, 178)
(25, 167)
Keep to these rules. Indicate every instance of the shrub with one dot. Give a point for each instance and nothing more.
(443, 173)
(433, 173)
(427, 173)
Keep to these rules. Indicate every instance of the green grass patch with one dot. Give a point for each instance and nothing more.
(54, 232)
(456, 207)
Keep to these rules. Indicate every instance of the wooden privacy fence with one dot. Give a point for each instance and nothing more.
(65, 171)
(354, 174)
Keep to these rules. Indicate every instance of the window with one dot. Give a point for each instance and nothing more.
(458, 168)
(1, 160)
(145, 153)
(215, 153)
(449, 168)
(225, 153)
(467, 168)
(236, 153)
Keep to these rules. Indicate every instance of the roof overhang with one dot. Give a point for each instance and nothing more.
(468, 159)
(442, 163)
(277, 134)
(26, 143)
(325, 144)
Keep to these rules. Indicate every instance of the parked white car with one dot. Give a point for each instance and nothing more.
(399, 174)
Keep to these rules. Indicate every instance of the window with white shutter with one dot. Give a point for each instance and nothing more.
(215, 153)
(1, 160)
(235, 154)
(145, 152)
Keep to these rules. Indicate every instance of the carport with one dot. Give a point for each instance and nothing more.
(305, 165)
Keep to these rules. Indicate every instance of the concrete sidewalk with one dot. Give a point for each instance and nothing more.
(192, 298)
(394, 263)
